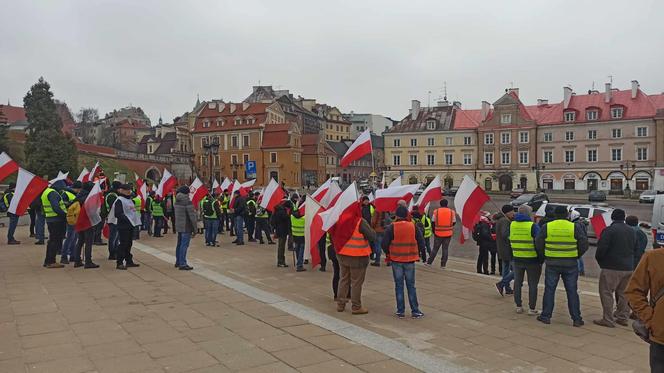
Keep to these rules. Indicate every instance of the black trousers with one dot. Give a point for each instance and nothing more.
(250, 224)
(656, 357)
(98, 228)
(321, 252)
(494, 256)
(262, 226)
(84, 238)
(124, 247)
(56, 233)
(332, 255)
(483, 261)
(33, 216)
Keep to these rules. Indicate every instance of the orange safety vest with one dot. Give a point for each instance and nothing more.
(443, 222)
(357, 245)
(403, 247)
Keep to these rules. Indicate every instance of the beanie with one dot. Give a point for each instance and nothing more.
(507, 208)
(618, 215)
(402, 212)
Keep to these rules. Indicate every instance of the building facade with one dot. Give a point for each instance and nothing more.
(360, 122)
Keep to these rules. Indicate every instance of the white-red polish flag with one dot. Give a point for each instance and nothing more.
(313, 230)
(468, 201)
(141, 190)
(340, 220)
(246, 187)
(61, 176)
(600, 222)
(322, 190)
(166, 184)
(433, 192)
(387, 199)
(395, 183)
(83, 176)
(227, 183)
(90, 214)
(272, 195)
(216, 187)
(7, 166)
(197, 190)
(28, 187)
(360, 147)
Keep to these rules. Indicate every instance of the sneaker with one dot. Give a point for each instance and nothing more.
(261, 242)
(360, 311)
(578, 323)
(38, 242)
(185, 267)
(442, 267)
(322, 269)
(54, 265)
(271, 243)
(519, 310)
(604, 323)
(622, 322)
(400, 315)
(427, 264)
(91, 265)
(533, 312)
(130, 265)
(300, 269)
(282, 265)
(500, 289)
(417, 315)
(234, 241)
(14, 242)
(543, 320)
(121, 267)
(78, 264)
(251, 240)
(64, 261)
(509, 291)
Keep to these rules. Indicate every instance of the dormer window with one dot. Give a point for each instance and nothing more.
(505, 118)
(220, 122)
(592, 114)
(238, 121)
(570, 116)
(431, 124)
(616, 113)
(206, 123)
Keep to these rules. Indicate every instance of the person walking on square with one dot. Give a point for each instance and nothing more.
(185, 225)
(504, 250)
(13, 218)
(444, 219)
(404, 242)
(522, 233)
(560, 243)
(282, 227)
(250, 217)
(615, 256)
(262, 224)
(123, 213)
(239, 212)
(353, 261)
(297, 231)
(211, 211)
(55, 213)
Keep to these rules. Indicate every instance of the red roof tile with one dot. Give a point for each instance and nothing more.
(466, 119)
(13, 113)
(243, 110)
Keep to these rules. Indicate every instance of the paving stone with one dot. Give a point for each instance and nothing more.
(48, 339)
(138, 362)
(330, 342)
(337, 366)
(16, 365)
(52, 352)
(304, 331)
(359, 355)
(187, 361)
(112, 349)
(169, 348)
(246, 359)
(64, 365)
(303, 356)
(278, 342)
(388, 366)
(208, 334)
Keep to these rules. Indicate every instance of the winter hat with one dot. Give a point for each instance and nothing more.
(115, 185)
(183, 189)
(507, 208)
(402, 212)
(632, 221)
(618, 215)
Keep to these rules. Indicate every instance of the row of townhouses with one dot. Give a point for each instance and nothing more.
(611, 140)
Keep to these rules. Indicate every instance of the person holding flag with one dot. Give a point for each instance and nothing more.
(262, 223)
(13, 218)
(88, 198)
(123, 214)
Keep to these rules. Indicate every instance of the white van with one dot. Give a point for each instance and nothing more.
(658, 219)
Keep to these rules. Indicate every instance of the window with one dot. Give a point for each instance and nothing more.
(220, 122)
(431, 124)
(488, 139)
(245, 140)
(245, 158)
(569, 136)
(505, 138)
(431, 159)
(548, 156)
(273, 157)
(523, 157)
(616, 133)
(413, 159)
(505, 158)
(448, 141)
(548, 137)
(204, 160)
(206, 123)
(234, 159)
(467, 159)
(238, 121)
(397, 143)
(396, 160)
(413, 142)
(506, 118)
(642, 131)
(592, 155)
(467, 140)
(592, 114)
(204, 141)
(616, 154)
(488, 158)
(570, 116)
(449, 159)
(234, 141)
(524, 137)
(430, 141)
(592, 134)
(641, 154)
(569, 156)
(616, 112)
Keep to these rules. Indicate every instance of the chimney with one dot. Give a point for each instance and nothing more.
(484, 112)
(607, 92)
(567, 96)
(635, 88)
(457, 104)
(415, 109)
(513, 90)
(542, 102)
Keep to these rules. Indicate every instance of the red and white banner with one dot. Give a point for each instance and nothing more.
(600, 222)
(433, 192)
(322, 190)
(272, 195)
(341, 219)
(94, 172)
(468, 201)
(245, 187)
(227, 183)
(141, 190)
(91, 210)
(387, 199)
(7, 166)
(84, 175)
(166, 184)
(61, 176)
(236, 186)
(28, 187)
(216, 187)
(197, 190)
(313, 230)
(395, 183)
(359, 148)
(331, 197)
(383, 182)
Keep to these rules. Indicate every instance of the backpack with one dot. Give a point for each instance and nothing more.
(208, 208)
(3, 205)
(72, 212)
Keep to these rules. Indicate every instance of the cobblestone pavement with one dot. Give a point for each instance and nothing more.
(156, 318)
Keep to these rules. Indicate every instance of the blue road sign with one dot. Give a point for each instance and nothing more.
(250, 169)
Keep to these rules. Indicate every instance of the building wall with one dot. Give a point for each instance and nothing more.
(222, 164)
(288, 166)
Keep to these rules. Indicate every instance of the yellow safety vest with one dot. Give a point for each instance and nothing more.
(157, 209)
(224, 202)
(521, 239)
(48, 209)
(71, 197)
(426, 222)
(297, 226)
(560, 241)
(137, 203)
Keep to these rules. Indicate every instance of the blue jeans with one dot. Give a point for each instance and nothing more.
(239, 228)
(582, 267)
(405, 272)
(70, 242)
(113, 239)
(377, 249)
(299, 253)
(570, 276)
(13, 223)
(181, 249)
(508, 275)
(211, 230)
(40, 226)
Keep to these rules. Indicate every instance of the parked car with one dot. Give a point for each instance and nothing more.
(658, 220)
(450, 192)
(587, 212)
(533, 200)
(517, 192)
(596, 196)
(648, 196)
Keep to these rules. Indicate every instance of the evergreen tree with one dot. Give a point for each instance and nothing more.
(47, 149)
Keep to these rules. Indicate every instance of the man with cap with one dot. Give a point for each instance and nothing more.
(56, 214)
(262, 225)
(109, 200)
(521, 235)
(69, 197)
(13, 218)
(504, 250)
(239, 212)
(403, 241)
(560, 243)
(124, 215)
(615, 256)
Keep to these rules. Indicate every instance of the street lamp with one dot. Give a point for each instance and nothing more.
(211, 149)
(537, 167)
(627, 165)
(235, 166)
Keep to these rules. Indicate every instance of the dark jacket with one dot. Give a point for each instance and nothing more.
(239, 206)
(485, 238)
(641, 244)
(281, 221)
(366, 212)
(616, 247)
(533, 233)
(389, 236)
(502, 235)
(581, 246)
(123, 222)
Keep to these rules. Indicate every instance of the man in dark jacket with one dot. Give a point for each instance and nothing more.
(239, 212)
(504, 250)
(615, 256)
(185, 225)
(282, 227)
(13, 218)
(641, 238)
(486, 242)
(125, 216)
(84, 237)
(560, 243)
(522, 232)
(109, 200)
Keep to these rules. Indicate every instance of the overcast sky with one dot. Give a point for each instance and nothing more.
(365, 56)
